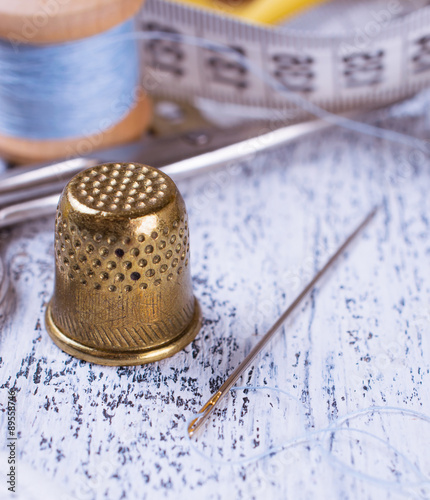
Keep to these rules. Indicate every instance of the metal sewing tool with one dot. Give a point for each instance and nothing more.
(123, 293)
(213, 402)
(198, 148)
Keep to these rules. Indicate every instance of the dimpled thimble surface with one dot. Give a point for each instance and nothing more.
(123, 293)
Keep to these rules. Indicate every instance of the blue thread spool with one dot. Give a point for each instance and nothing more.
(68, 78)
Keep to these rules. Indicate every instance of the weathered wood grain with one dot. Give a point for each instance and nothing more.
(361, 339)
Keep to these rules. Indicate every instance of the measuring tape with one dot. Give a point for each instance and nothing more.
(388, 59)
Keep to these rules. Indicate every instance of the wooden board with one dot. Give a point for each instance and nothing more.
(258, 231)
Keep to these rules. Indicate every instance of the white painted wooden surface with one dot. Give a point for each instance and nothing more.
(360, 340)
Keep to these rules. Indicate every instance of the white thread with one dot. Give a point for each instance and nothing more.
(315, 438)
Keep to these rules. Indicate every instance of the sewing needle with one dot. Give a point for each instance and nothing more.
(209, 407)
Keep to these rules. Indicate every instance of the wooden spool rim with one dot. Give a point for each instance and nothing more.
(56, 21)
(29, 151)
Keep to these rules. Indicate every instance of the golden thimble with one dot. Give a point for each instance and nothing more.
(123, 293)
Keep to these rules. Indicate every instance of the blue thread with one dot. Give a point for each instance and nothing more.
(68, 90)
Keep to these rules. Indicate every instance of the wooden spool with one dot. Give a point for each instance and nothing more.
(38, 22)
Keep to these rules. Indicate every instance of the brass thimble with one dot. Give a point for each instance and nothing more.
(123, 293)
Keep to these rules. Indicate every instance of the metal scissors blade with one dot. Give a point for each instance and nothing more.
(228, 145)
(157, 152)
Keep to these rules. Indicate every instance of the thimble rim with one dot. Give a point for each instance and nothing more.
(124, 357)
